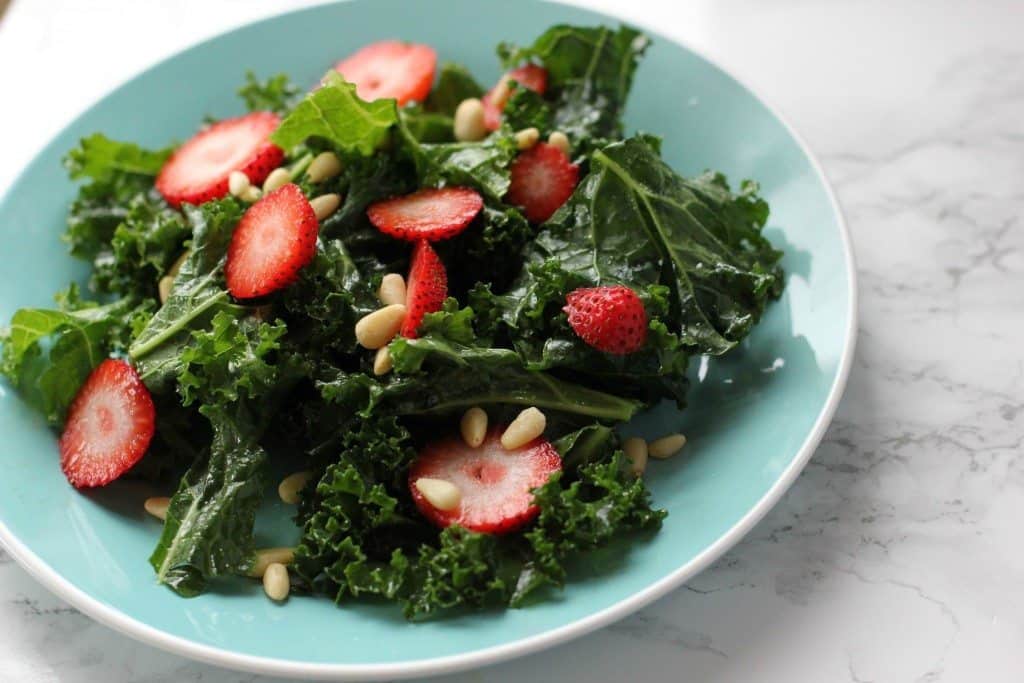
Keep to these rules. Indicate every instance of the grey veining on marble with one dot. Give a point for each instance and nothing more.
(897, 555)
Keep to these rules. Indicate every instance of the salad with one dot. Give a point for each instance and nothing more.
(428, 303)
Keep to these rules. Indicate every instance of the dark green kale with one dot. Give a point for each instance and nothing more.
(209, 525)
(197, 295)
(454, 84)
(277, 93)
(590, 72)
(699, 258)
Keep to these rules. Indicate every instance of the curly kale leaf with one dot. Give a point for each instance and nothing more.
(230, 362)
(334, 114)
(277, 93)
(121, 177)
(606, 500)
(197, 295)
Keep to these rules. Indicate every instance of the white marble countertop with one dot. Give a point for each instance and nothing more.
(897, 555)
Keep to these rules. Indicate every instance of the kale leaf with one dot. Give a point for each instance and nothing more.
(333, 113)
(209, 527)
(590, 72)
(47, 354)
(277, 93)
(197, 294)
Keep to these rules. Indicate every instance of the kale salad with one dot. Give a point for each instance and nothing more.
(429, 301)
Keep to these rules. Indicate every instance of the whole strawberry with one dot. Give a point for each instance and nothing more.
(611, 318)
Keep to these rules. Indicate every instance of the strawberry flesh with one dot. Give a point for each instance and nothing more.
(610, 318)
(109, 426)
(198, 171)
(427, 287)
(496, 484)
(390, 68)
(542, 179)
(275, 239)
(430, 214)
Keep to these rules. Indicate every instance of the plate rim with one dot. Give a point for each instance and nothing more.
(140, 631)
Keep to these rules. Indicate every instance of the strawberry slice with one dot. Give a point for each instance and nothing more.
(428, 214)
(391, 68)
(529, 76)
(274, 240)
(198, 171)
(495, 484)
(109, 426)
(426, 289)
(543, 178)
(610, 318)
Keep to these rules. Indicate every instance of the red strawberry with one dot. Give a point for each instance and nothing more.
(495, 484)
(391, 68)
(611, 319)
(429, 214)
(426, 289)
(274, 240)
(529, 76)
(198, 171)
(543, 178)
(109, 426)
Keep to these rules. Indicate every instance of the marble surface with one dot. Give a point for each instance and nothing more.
(896, 556)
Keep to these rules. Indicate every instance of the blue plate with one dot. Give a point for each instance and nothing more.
(756, 416)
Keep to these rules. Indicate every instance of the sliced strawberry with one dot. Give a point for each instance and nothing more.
(495, 484)
(274, 240)
(531, 76)
(198, 171)
(426, 289)
(391, 68)
(109, 426)
(528, 76)
(611, 318)
(428, 214)
(543, 178)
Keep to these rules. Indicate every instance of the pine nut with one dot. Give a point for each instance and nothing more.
(392, 289)
(440, 493)
(164, 287)
(277, 179)
(292, 485)
(527, 426)
(275, 582)
(324, 166)
(178, 263)
(560, 140)
(268, 556)
(474, 426)
(468, 124)
(378, 328)
(251, 195)
(166, 283)
(666, 446)
(238, 183)
(325, 205)
(635, 449)
(527, 138)
(157, 506)
(382, 362)
(501, 92)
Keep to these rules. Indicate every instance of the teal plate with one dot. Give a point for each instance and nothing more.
(755, 419)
